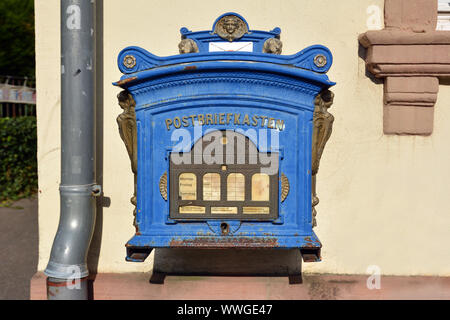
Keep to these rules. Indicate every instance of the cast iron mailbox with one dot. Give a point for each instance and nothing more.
(227, 137)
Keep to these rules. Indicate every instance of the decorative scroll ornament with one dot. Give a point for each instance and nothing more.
(163, 186)
(323, 126)
(284, 187)
(129, 61)
(187, 46)
(272, 45)
(303, 59)
(128, 132)
(320, 60)
(230, 27)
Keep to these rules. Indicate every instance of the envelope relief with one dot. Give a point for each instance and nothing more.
(246, 46)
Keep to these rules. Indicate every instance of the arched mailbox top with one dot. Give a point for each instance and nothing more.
(230, 40)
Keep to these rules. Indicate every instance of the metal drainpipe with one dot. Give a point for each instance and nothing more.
(67, 269)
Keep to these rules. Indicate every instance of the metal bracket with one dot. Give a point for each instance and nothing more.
(96, 190)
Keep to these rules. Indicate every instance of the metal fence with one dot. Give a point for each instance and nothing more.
(17, 96)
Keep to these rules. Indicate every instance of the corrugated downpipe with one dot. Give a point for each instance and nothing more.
(67, 269)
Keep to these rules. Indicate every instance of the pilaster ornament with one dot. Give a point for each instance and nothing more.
(322, 128)
(410, 56)
(128, 132)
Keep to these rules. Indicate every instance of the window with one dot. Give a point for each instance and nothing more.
(260, 187)
(187, 186)
(443, 19)
(236, 187)
(212, 186)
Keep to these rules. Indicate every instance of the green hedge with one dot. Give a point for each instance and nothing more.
(18, 164)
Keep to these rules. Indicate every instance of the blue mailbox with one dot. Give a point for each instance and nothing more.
(225, 140)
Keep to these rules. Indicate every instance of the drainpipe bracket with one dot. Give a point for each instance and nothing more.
(93, 189)
(96, 190)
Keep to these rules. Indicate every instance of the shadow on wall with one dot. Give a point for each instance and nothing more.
(102, 201)
(362, 53)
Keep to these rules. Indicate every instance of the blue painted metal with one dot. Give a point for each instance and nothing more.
(303, 59)
(276, 86)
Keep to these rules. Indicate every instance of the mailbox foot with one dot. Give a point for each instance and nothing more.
(137, 254)
(295, 278)
(157, 278)
(295, 274)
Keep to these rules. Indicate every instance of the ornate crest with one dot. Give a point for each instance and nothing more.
(230, 27)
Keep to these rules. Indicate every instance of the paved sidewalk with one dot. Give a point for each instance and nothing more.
(135, 286)
(18, 249)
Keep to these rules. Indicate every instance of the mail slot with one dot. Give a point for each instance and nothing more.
(225, 140)
(231, 185)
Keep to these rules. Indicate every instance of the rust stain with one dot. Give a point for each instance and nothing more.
(228, 242)
(69, 282)
(139, 256)
(309, 257)
(125, 81)
(187, 68)
(312, 243)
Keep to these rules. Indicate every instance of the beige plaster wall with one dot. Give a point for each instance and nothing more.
(384, 199)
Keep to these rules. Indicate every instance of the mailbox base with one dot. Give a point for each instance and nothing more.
(243, 250)
(140, 246)
(189, 254)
